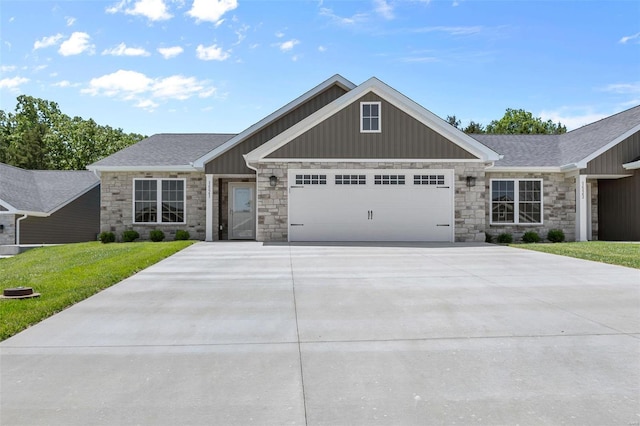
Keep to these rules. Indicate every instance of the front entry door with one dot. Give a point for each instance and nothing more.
(242, 213)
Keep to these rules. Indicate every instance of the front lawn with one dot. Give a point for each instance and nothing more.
(67, 274)
(623, 254)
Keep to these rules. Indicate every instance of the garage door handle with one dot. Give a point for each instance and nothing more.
(443, 187)
(296, 224)
(369, 214)
(297, 187)
(442, 224)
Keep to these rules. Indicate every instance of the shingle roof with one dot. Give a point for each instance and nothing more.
(560, 150)
(165, 149)
(43, 190)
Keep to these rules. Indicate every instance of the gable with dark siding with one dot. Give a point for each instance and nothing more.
(610, 162)
(402, 137)
(232, 162)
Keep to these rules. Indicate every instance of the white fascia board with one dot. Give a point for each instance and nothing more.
(336, 79)
(583, 163)
(180, 168)
(607, 176)
(368, 160)
(514, 169)
(389, 94)
(75, 197)
(26, 212)
(635, 165)
(7, 206)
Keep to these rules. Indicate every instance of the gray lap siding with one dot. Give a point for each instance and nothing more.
(116, 213)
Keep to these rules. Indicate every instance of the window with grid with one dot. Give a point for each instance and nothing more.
(516, 201)
(428, 179)
(351, 179)
(311, 179)
(370, 117)
(159, 200)
(388, 179)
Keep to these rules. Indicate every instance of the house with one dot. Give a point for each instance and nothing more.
(48, 206)
(346, 162)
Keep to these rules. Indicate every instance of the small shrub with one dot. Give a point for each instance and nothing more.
(488, 238)
(505, 238)
(182, 235)
(107, 237)
(156, 235)
(130, 236)
(555, 235)
(531, 237)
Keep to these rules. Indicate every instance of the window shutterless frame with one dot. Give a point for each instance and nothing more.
(157, 201)
(516, 197)
(370, 117)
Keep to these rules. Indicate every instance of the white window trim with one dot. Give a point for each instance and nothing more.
(379, 130)
(159, 201)
(516, 202)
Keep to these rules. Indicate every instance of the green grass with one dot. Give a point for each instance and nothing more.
(67, 274)
(623, 254)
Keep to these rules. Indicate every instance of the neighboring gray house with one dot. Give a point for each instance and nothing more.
(365, 163)
(48, 207)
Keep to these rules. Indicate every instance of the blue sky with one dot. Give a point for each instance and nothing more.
(152, 66)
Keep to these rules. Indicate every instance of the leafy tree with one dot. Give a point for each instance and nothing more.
(474, 128)
(39, 136)
(519, 121)
(453, 120)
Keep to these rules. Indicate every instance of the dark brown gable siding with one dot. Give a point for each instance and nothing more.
(76, 222)
(402, 137)
(232, 162)
(610, 162)
(619, 208)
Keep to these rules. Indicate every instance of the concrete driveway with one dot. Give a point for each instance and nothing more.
(246, 333)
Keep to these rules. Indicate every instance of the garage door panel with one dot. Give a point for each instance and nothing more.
(394, 209)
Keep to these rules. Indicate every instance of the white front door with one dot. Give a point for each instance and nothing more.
(371, 205)
(242, 213)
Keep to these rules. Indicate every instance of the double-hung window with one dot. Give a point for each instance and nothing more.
(158, 200)
(370, 117)
(516, 201)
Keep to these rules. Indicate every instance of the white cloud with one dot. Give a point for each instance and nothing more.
(623, 88)
(279, 34)
(456, 31)
(635, 37)
(322, 49)
(147, 91)
(211, 53)
(287, 45)
(76, 44)
(211, 10)
(65, 83)
(39, 68)
(12, 83)
(572, 118)
(122, 83)
(123, 50)
(170, 52)
(47, 41)
(7, 68)
(384, 9)
(70, 20)
(154, 10)
(341, 20)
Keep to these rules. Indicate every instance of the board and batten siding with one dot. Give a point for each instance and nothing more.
(232, 162)
(619, 208)
(78, 221)
(610, 162)
(402, 137)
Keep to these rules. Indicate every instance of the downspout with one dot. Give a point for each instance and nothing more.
(24, 216)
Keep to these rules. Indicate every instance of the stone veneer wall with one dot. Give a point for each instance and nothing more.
(8, 235)
(559, 206)
(116, 204)
(272, 203)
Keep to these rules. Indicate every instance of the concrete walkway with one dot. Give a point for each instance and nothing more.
(246, 333)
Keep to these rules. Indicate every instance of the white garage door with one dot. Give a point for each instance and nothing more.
(371, 205)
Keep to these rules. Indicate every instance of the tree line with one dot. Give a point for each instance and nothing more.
(514, 122)
(38, 136)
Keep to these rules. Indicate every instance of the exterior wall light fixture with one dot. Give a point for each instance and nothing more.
(273, 180)
(471, 181)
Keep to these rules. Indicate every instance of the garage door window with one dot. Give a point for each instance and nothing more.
(516, 201)
(311, 179)
(428, 179)
(351, 179)
(388, 180)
